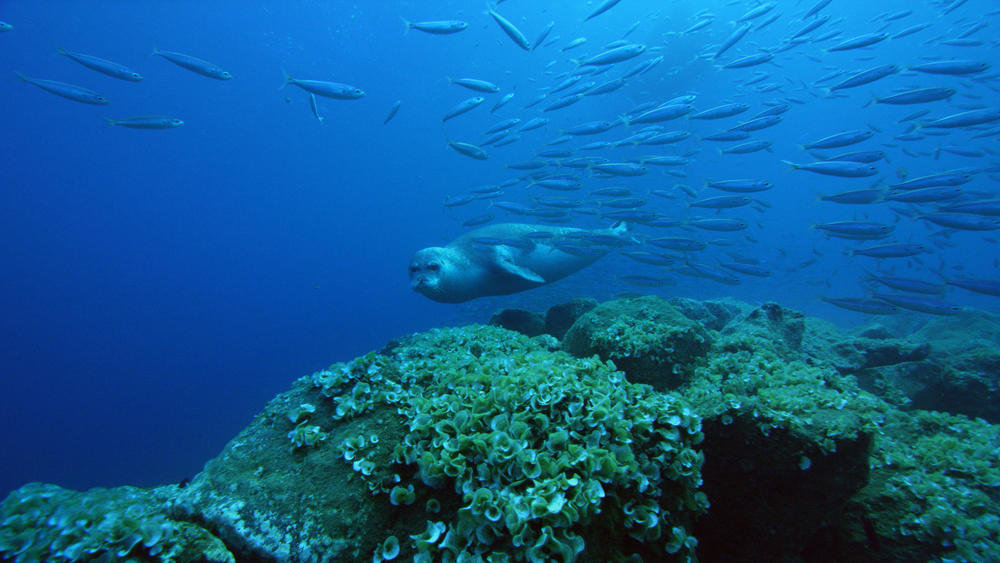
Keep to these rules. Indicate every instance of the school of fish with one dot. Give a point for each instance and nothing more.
(672, 167)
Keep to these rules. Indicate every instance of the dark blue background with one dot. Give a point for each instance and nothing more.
(158, 287)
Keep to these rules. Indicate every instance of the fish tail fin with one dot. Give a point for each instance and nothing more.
(408, 24)
(288, 79)
(156, 50)
(792, 164)
(576, 62)
(61, 51)
(109, 121)
(875, 100)
(23, 77)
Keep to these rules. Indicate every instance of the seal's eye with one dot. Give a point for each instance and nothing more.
(434, 267)
(413, 269)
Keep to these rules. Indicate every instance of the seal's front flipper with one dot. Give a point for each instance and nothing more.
(520, 271)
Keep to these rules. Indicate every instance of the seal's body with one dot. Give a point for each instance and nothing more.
(507, 258)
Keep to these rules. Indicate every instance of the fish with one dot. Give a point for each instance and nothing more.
(541, 36)
(840, 139)
(724, 225)
(146, 122)
(722, 202)
(109, 68)
(961, 221)
(984, 286)
(919, 304)
(866, 77)
(462, 107)
(511, 30)
(855, 228)
(940, 179)
(964, 119)
(315, 107)
(469, 150)
(505, 124)
(748, 269)
(503, 101)
(194, 64)
(612, 56)
(748, 147)
(952, 67)
(333, 90)
(392, 111)
(862, 305)
(750, 60)
(859, 156)
(917, 96)
(606, 87)
(910, 285)
(68, 91)
(733, 38)
(478, 220)
(899, 250)
(620, 169)
(925, 195)
(4, 26)
(860, 41)
(604, 7)
(720, 112)
(678, 243)
(743, 186)
(443, 27)
(816, 8)
(990, 208)
(866, 196)
(758, 123)
(475, 84)
(661, 113)
(757, 11)
(843, 169)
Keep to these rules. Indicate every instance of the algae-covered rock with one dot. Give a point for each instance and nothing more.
(773, 322)
(560, 317)
(786, 445)
(42, 522)
(713, 315)
(469, 441)
(647, 338)
(952, 364)
(934, 494)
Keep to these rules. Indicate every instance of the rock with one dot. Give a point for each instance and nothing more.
(527, 323)
(560, 317)
(647, 338)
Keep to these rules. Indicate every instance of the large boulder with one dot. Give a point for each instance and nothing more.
(647, 338)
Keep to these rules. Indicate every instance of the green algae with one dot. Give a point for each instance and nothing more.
(533, 450)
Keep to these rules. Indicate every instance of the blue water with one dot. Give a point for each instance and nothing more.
(158, 287)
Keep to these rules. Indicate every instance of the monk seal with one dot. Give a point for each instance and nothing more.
(507, 258)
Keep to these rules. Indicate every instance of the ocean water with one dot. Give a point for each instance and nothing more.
(159, 286)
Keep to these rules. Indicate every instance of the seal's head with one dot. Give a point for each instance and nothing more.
(428, 270)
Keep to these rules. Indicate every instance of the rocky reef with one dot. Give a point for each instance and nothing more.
(633, 430)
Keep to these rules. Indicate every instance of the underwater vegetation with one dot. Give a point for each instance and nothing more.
(655, 430)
